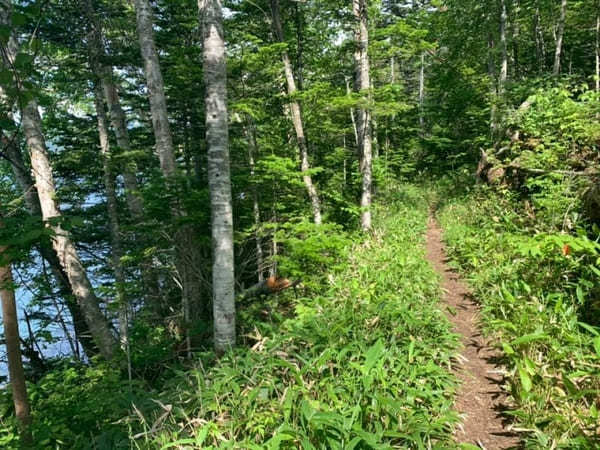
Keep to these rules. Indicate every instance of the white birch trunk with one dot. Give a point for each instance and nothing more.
(32, 202)
(504, 51)
(422, 94)
(297, 117)
(597, 53)
(362, 85)
(559, 37)
(61, 240)
(156, 89)
(217, 137)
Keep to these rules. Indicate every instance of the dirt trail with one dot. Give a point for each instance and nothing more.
(480, 399)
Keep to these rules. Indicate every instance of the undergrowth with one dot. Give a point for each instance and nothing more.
(363, 365)
(539, 289)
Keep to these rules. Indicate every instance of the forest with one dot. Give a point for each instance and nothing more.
(300, 224)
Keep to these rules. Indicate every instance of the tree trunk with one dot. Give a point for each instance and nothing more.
(61, 239)
(362, 85)
(504, 51)
(117, 115)
(422, 94)
(597, 53)
(559, 37)
(113, 221)
(186, 251)
(215, 78)
(156, 89)
(13, 350)
(250, 133)
(296, 117)
(537, 30)
(32, 202)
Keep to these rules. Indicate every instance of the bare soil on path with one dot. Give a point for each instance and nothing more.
(480, 400)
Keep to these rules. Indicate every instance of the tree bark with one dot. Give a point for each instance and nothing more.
(32, 202)
(422, 94)
(217, 137)
(13, 350)
(113, 222)
(250, 133)
(597, 53)
(559, 37)
(363, 119)
(117, 115)
(156, 89)
(504, 51)
(61, 240)
(51, 215)
(296, 117)
(186, 252)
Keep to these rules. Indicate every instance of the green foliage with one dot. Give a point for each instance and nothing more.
(539, 294)
(364, 364)
(75, 407)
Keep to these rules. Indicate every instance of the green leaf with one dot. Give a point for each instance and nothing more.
(529, 338)
(525, 379)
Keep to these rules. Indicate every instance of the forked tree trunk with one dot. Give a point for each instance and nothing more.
(297, 117)
(219, 178)
(363, 119)
(16, 374)
(559, 37)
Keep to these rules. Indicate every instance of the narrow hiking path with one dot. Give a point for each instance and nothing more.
(480, 400)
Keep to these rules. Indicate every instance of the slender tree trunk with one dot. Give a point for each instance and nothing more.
(61, 240)
(537, 30)
(113, 221)
(422, 95)
(250, 133)
(13, 349)
(493, 88)
(559, 37)
(32, 202)
(504, 51)
(217, 137)
(117, 115)
(156, 90)
(516, 32)
(362, 85)
(597, 52)
(354, 127)
(296, 117)
(185, 248)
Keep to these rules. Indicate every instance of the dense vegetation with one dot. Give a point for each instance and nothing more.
(187, 230)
